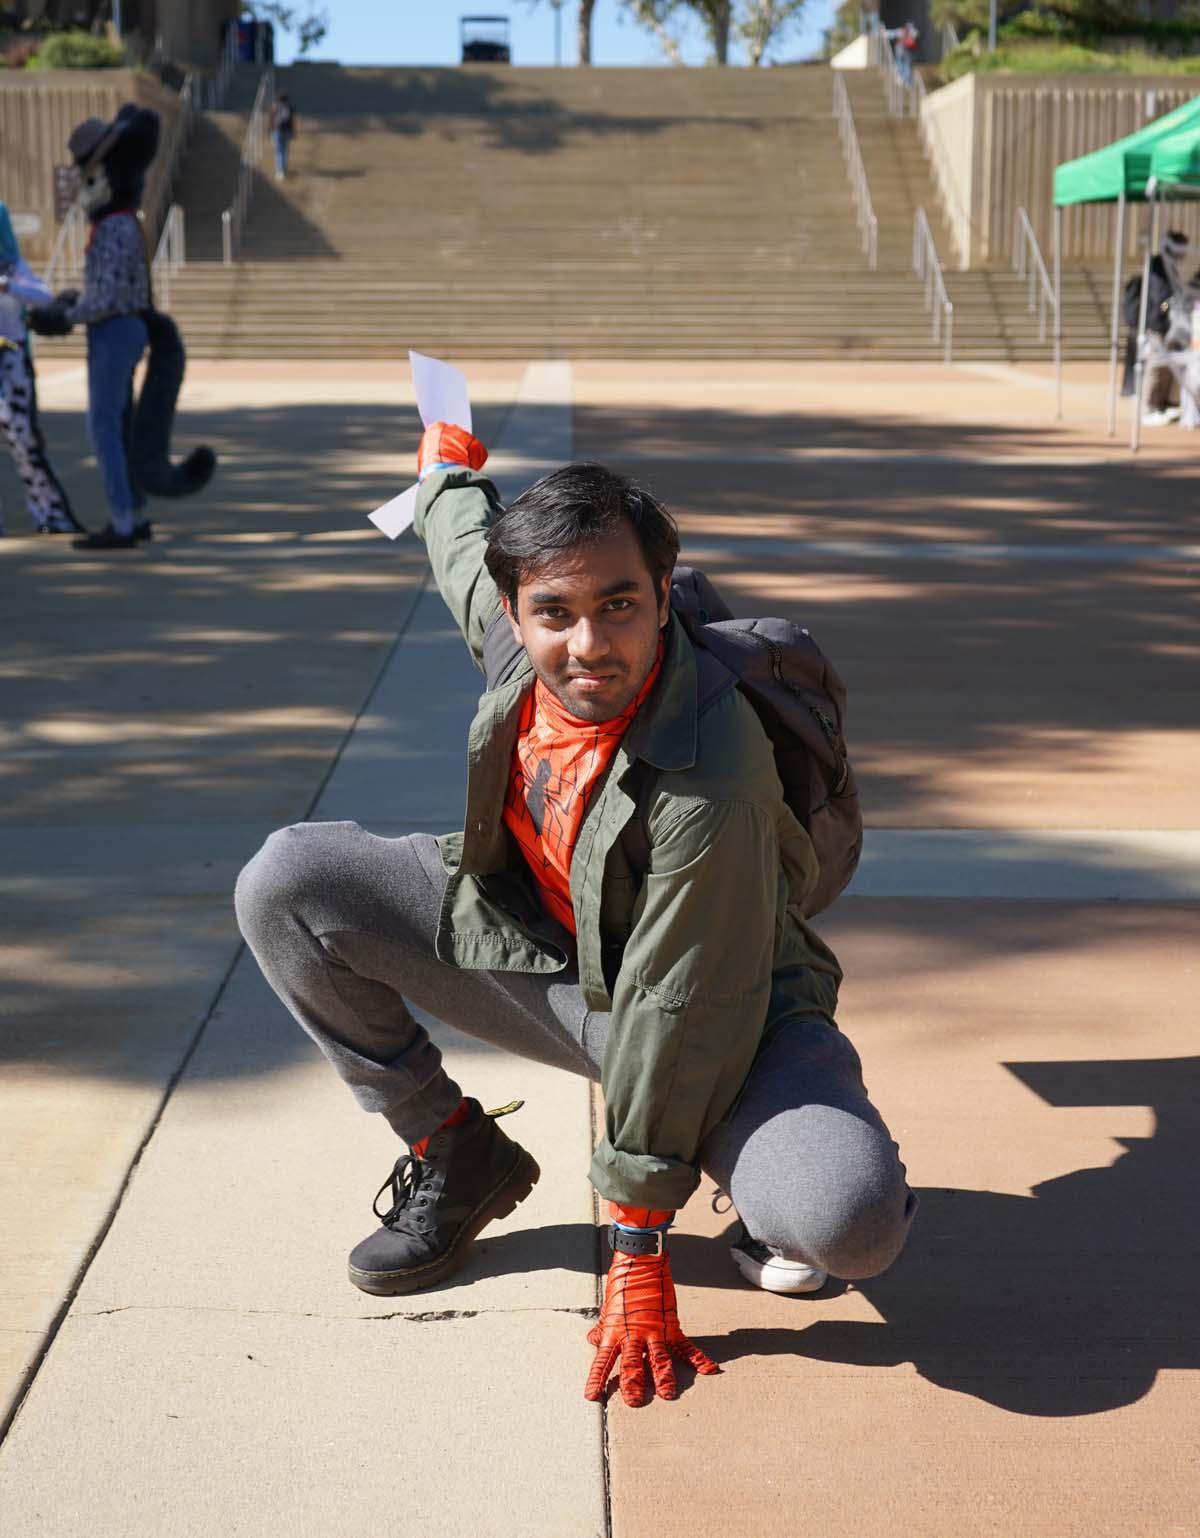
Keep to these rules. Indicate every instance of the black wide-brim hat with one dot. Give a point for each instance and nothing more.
(94, 140)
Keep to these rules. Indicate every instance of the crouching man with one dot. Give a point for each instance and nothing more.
(672, 966)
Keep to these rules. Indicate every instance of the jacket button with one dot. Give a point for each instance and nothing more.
(481, 826)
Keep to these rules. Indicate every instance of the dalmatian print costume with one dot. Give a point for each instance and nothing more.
(20, 287)
(44, 496)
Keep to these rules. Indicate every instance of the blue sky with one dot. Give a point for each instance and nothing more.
(426, 32)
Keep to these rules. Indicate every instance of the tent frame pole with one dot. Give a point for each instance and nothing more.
(1143, 307)
(1115, 329)
(1058, 331)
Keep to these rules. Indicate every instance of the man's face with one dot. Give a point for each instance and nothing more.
(589, 621)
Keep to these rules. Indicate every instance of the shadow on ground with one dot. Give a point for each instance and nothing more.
(210, 676)
(1066, 1302)
(515, 114)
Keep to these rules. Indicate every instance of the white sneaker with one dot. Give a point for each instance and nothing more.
(1157, 418)
(767, 1268)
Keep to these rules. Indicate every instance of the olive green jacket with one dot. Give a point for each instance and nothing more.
(694, 958)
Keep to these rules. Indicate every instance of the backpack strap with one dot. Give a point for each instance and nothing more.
(713, 682)
(713, 679)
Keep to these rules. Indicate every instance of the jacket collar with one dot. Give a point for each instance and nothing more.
(663, 732)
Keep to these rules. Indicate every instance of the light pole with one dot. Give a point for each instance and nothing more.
(558, 8)
(992, 26)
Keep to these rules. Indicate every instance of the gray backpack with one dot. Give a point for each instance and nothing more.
(796, 694)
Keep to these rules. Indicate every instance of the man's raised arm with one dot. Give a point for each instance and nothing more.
(455, 508)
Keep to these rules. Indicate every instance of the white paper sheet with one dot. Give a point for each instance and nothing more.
(442, 396)
(395, 516)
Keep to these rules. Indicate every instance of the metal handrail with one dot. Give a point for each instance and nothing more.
(69, 244)
(188, 93)
(170, 256)
(218, 81)
(868, 225)
(234, 217)
(1028, 261)
(929, 271)
(950, 38)
(919, 93)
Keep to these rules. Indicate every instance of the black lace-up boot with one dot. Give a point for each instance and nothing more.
(468, 1175)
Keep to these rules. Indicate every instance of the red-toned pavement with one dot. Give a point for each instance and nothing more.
(1013, 605)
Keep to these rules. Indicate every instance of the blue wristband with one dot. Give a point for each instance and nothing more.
(442, 464)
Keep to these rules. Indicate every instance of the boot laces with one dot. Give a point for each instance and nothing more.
(408, 1176)
(404, 1182)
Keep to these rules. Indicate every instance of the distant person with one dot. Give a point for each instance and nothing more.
(283, 126)
(20, 287)
(130, 432)
(1166, 281)
(907, 39)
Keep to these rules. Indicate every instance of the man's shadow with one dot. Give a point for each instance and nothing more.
(1065, 1302)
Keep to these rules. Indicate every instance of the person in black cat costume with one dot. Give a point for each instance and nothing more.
(131, 438)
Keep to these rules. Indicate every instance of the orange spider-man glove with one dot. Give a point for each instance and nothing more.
(443, 446)
(639, 1318)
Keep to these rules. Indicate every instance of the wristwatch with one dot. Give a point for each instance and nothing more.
(642, 1241)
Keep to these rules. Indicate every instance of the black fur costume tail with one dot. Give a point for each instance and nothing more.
(154, 417)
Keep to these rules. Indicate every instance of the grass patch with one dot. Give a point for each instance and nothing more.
(1042, 45)
(60, 50)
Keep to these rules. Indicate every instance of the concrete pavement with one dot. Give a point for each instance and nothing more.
(1020, 982)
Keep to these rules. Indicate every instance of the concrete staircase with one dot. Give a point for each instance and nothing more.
(494, 212)
(992, 317)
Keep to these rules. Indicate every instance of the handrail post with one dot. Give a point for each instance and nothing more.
(1027, 257)
(928, 269)
(67, 250)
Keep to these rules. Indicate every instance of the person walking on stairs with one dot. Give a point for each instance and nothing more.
(624, 903)
(283, 127)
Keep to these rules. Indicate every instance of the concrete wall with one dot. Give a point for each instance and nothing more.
(952, 148)
(39, 109)
(995, 140)
(190, 30)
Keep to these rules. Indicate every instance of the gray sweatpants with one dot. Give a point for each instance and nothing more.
(342, 924)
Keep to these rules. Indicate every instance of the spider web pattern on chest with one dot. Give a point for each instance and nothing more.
(549, 786)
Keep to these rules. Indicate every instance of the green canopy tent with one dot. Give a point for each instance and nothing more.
(1119, 173)
(1175, 166)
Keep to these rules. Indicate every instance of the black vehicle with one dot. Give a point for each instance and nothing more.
(485, 39)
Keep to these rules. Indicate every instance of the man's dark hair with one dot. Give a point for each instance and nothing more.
(574, 506)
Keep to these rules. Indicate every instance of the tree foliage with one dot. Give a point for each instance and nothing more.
(656, 16)
(848, 18)
(760, 22)
(754, 23)
(308, 21)
(1073, 20)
